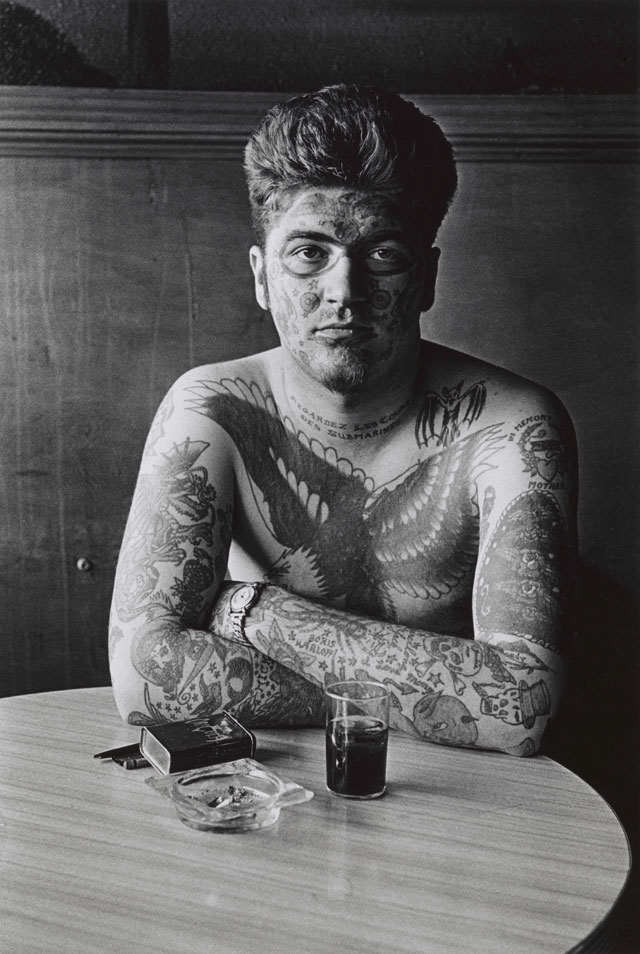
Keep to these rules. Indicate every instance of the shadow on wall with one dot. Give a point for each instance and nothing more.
(35, 53)
(417, 46)
(596, 732)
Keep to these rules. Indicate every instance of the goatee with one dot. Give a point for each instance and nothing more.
(348, 375)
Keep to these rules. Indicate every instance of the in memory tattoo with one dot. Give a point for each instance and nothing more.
(542, 449)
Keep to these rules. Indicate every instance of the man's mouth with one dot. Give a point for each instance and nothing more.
(344, 334)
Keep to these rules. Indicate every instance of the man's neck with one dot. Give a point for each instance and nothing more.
(363, 414)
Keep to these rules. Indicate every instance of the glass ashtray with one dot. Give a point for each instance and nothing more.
(232, 796)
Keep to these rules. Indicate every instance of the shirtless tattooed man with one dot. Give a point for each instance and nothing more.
(357, 503)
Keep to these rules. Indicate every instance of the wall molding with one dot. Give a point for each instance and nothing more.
(103, 123)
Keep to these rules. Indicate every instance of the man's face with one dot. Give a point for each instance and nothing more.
(345, 279)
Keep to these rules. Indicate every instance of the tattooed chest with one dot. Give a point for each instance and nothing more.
(406, 552)
(312, 520)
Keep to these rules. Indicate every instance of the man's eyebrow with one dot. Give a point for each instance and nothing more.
(309, 234)
(384, 235)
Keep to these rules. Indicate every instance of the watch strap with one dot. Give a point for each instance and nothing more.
(238, 617)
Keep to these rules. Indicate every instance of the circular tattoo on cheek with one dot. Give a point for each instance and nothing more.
(309, 302)
(380, 299)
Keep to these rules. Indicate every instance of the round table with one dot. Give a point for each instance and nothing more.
(468, 851)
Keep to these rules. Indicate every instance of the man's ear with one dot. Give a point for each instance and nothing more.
(256, 258)
(430, 275)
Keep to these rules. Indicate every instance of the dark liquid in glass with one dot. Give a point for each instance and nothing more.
(357, 756)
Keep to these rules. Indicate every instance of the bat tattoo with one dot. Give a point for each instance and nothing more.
(441, 416)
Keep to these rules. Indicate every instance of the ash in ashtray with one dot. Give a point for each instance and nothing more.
(233, 795)
(228, 796)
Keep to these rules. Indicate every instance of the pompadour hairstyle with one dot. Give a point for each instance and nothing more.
(357, 136)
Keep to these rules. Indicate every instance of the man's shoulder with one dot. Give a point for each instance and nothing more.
(254, 369)
(235, 397)
(455, 378)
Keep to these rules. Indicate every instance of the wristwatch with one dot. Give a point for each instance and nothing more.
(242, 599)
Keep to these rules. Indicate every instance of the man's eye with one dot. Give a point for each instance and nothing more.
(310, 253)
(305, 259)
(388, 259)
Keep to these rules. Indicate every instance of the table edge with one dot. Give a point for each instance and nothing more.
(603, 932)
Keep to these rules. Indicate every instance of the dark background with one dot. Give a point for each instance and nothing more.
(118, 273)
(417, 46)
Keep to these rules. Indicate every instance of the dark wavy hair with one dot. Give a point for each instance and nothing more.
(357, 136)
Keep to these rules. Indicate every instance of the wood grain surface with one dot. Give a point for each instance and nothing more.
(468, 851)
(191, 124)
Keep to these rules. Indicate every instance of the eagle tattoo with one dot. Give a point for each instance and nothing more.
(343, 540)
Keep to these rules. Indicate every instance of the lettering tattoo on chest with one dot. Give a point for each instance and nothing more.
(340, 430)
(343, 540)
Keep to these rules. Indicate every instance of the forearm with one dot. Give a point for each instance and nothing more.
(493, 698)
(162, 672)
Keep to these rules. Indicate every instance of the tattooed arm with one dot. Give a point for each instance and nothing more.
(165, 662)
(525, 581)
(499, 690)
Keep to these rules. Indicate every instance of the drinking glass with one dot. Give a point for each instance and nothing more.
(356, 738)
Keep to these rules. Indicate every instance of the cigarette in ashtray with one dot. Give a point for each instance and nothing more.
(232, 796)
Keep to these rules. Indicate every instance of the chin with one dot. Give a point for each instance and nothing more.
(347, 376)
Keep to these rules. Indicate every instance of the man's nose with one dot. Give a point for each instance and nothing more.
(345, 283)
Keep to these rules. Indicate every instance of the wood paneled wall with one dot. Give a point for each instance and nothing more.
(123, 261)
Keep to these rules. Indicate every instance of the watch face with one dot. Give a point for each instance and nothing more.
(242, 598)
